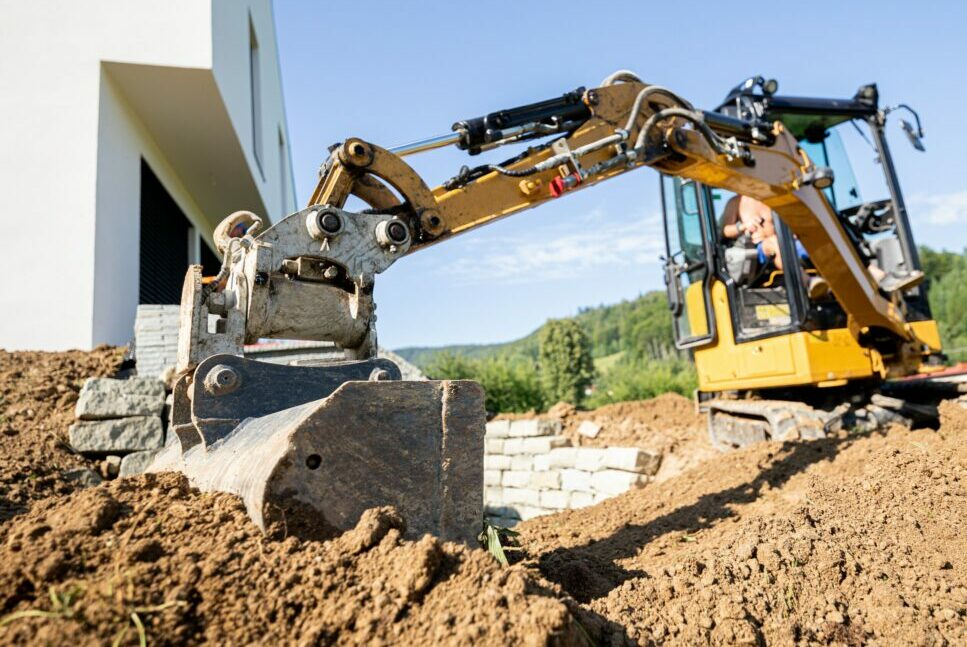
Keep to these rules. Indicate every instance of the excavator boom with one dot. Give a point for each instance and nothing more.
(311, 276)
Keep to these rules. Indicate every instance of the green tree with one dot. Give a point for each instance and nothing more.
(511, 384)
(937, 264)
(639, 379)
(566, 366)
(948, 301)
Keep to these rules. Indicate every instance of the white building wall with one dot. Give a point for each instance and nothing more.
(230, 45)
(71, 144)
(123, 142)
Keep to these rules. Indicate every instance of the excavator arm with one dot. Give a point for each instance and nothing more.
(310, 443)
(600, 133)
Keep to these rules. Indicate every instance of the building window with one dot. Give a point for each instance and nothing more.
(283, 175)
(255, 87)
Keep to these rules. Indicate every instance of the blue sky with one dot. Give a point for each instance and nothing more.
(393, 72)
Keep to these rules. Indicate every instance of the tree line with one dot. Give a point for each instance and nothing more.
(626, 351)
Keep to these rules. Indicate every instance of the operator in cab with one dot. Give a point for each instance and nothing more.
(747, 216)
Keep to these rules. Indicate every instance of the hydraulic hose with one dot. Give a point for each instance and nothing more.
(644, 94)
(524, 172)
(620, 75)
(695, 117)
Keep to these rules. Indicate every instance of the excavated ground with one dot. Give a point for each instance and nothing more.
(37, 396)
(845, 541)
(851, 540)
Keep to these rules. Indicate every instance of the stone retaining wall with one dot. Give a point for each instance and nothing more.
(120, 422)
(530, 469)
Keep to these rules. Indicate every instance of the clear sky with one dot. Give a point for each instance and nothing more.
(393, 72)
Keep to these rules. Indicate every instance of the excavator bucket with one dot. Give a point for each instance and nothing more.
(309, 449)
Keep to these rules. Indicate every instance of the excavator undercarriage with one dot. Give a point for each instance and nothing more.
(309, 448)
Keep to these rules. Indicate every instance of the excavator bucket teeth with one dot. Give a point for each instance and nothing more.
(312, 469)
(736, 423)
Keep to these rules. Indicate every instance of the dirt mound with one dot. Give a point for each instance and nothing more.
(151, 554)
(847, 540)
(191, 568)
(37, 396)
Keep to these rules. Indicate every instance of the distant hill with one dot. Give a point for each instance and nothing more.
(638, 327)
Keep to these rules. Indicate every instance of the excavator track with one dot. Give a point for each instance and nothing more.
(736, 423)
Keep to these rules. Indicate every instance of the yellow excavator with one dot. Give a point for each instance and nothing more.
(310, 447)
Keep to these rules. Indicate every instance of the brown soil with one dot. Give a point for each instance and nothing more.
(848, 541)
(194, 569)
(79, 565)
(37, 396)
(843, 541)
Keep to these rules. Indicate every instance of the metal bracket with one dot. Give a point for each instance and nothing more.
(227, 389)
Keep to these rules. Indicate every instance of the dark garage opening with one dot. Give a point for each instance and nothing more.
(165, 244)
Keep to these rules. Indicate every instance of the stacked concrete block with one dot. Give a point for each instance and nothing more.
(121, 422)
(156, 338)
(531, 469)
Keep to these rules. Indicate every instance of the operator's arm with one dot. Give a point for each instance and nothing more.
(732, 227)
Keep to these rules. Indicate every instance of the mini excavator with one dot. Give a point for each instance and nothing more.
(309, 448)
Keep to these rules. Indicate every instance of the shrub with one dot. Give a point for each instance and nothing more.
(566, 366)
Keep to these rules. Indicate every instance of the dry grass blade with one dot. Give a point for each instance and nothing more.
(142, 636)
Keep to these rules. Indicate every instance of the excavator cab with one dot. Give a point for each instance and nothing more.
(753, 328)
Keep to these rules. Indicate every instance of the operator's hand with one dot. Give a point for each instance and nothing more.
(753, 225)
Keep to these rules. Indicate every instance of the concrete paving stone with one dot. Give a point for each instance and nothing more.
(512, 478)
(492, 477)
(613, 482)
(498, 428)
(522, 462)
(521, 496)
(542, 444)
(562, 457)
(534, 427)
(556, 499)
(589, 429)
(103, 398)
(632, 459)
(493, 445)
(497, 462)
(494, 495)
(573, 480)
(581, 500)
(513, 446)
(589, 459)
(136, 462)
(120, 435)
(550, 480)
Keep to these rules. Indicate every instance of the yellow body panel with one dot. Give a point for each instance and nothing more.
(928, 333)
(695, 309)
(800, 358)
